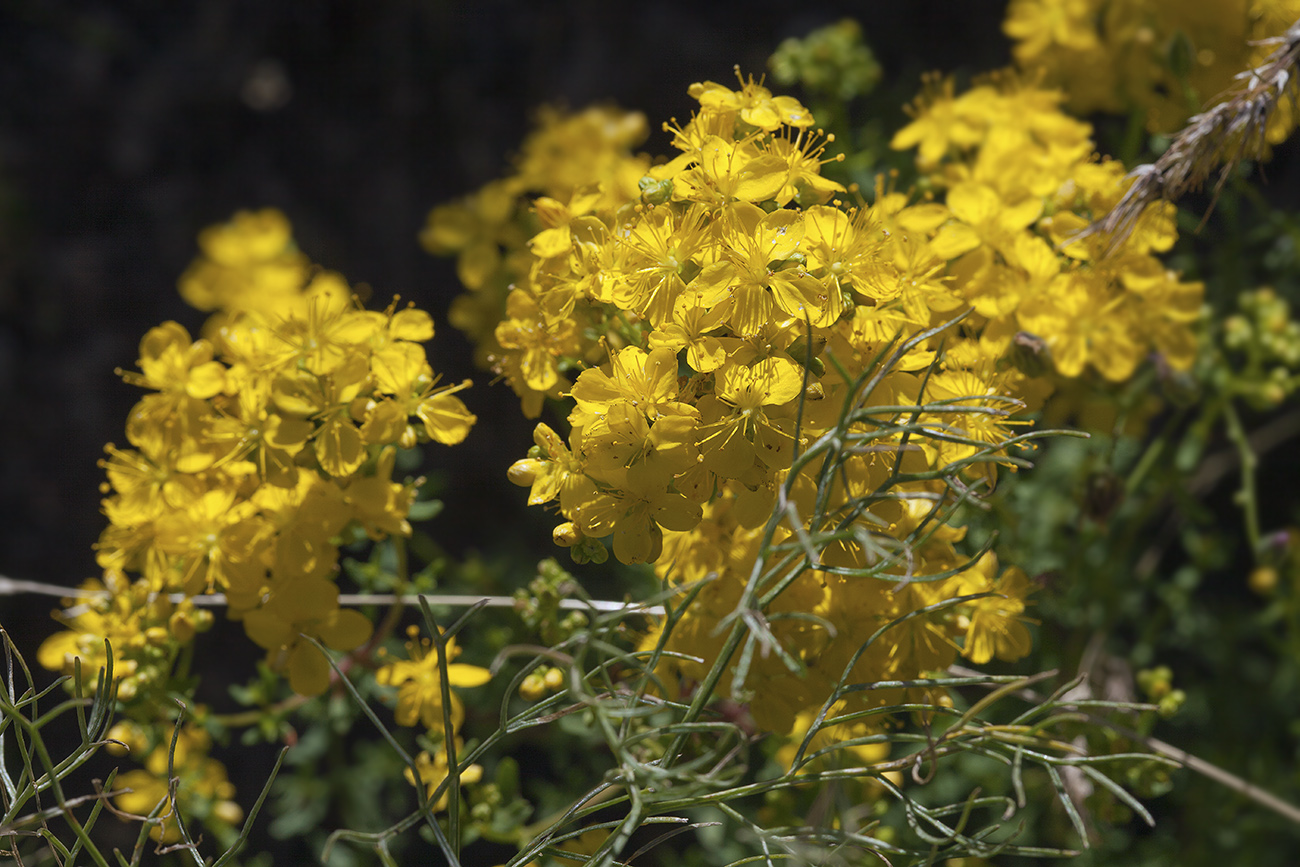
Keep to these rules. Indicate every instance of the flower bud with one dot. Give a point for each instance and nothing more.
(533, 687)
(655, 192)
(1263, 580)
(181, 626)
(566, 535)
(523, 472)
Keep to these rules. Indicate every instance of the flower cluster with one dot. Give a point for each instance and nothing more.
(721, 314)
(142, 627)
(1163, 58)
(202, 790)
(257, 447)
(834, 61)
(1021, 184)
(573, 164)
(1264, 345)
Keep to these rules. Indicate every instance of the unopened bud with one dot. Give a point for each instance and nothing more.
(566, 535)
(181, 626)
(1263, 580)
(524, 472)
(533, 687)
(589, 550)
(655, 192)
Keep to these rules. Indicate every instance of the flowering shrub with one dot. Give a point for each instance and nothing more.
(800, 408)
(261, 446)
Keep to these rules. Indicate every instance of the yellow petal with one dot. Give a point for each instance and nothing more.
(266, 630)
(411, 324)
(309, 671)
(345, 630)
(339, 448)
(446, 419)
(459, 674)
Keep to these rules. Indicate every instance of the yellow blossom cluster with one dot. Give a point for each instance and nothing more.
(1021, 184)
(720, 316)
(573, 164)
(419, 680)
(142, 627)
(202, 791)
(258, 445)
(1165, 58)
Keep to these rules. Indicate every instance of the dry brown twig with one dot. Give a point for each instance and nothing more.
(1219, 138)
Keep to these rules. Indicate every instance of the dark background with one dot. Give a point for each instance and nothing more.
(127, 126)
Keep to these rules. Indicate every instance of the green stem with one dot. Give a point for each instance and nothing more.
(1246, 495)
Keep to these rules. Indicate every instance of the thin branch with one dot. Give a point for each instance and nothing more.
(16, 587)
(1187, 760)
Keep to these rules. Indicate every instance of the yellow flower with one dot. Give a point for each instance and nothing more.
(754, 104)
(636, 519)
(206, 537)
(552, 473)
(203, 791)
(647, 380)
(738, 429)
(539, 340)
(754, 288)
(305, 606)
(660, 247)
(419, 682)
(623, 450)
(996, 622)
(248, 263)
(434, 769)
(941, 123)
(804, 181)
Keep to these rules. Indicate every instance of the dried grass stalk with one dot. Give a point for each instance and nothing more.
(1219, 138)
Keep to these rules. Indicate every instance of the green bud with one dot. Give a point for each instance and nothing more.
(1237, 332)
(799, 351)
(654, 192)
(589, 550)
(1171, 703)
